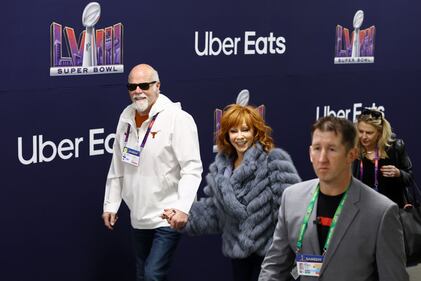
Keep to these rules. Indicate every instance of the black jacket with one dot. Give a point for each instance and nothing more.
(399, 158)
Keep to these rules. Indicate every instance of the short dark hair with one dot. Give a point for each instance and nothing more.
(340, 126)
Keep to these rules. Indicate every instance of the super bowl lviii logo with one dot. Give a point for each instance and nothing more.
(357, 48)
(98, 51)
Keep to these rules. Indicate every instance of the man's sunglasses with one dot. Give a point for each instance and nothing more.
(143, 86)
(373, 113)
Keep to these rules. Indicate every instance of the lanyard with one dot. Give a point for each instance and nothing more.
(309, 210)
(145, 138)
(376, 168)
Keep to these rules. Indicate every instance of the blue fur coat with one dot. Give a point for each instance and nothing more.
(243, 204)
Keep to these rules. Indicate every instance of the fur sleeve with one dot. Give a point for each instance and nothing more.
(282, 173)
(203, 216)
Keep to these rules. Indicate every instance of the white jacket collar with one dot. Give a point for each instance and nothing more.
(161, 103)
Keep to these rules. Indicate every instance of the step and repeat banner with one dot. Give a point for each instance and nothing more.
(63, 75)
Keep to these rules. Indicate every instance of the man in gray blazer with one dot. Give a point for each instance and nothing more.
(335, 228)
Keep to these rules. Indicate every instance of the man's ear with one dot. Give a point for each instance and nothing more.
(352, 154)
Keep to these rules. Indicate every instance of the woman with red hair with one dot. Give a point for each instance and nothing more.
(243, 190)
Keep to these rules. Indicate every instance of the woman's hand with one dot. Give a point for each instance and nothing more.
(390, 171)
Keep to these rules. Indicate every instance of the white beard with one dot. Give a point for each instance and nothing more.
(141, 105)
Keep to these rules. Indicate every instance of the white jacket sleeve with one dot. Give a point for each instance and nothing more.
(114, 184)
(185, 144)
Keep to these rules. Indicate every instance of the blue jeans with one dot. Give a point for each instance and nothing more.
(154, 249)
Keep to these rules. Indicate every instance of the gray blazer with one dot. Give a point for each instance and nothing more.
(367, 244)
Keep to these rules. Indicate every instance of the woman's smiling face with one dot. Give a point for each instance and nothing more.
(241, 137)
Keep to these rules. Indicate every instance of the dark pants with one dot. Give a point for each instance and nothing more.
(154, 249)
(247, 269)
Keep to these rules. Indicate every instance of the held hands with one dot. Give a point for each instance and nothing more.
(390, 171)
(176, 218)
(109, 219)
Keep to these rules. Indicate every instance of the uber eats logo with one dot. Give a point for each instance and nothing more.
(39, 149)
(251, 43)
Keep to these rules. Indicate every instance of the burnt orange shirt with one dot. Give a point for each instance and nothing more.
(140, 119)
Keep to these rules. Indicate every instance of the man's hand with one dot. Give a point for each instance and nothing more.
(176, 218)
(109, 219)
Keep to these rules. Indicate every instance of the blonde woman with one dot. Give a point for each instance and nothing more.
(383, 162)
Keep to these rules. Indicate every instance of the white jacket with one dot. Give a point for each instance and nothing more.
(169, 171)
